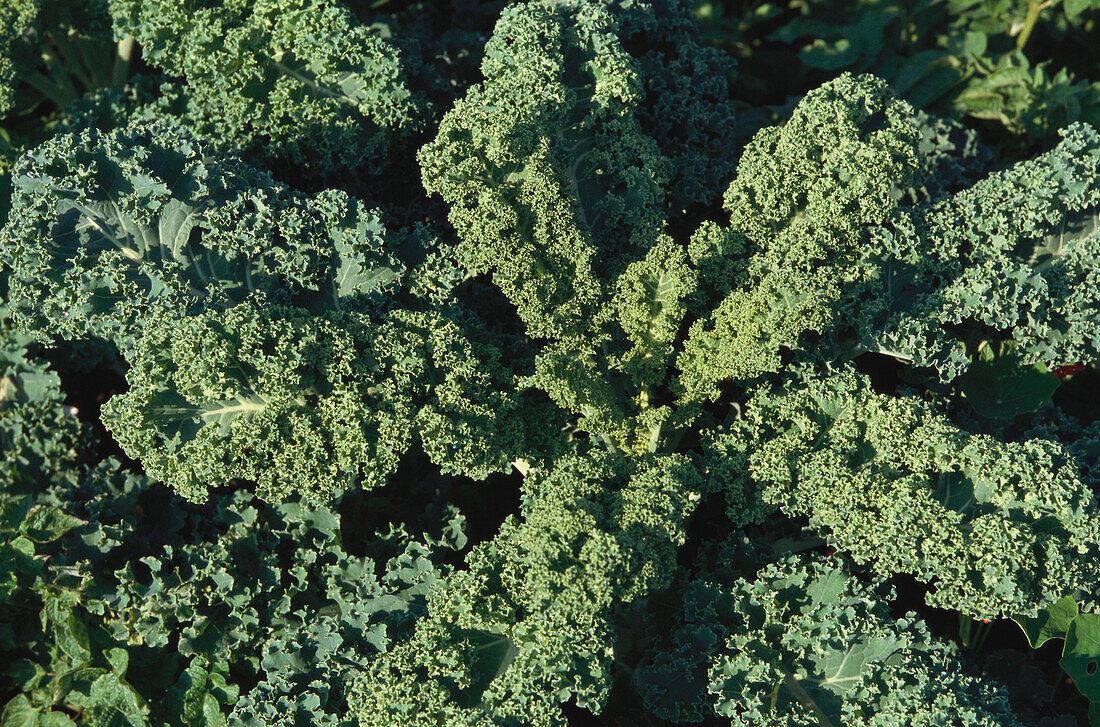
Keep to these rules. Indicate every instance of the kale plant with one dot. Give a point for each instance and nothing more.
(549, 363)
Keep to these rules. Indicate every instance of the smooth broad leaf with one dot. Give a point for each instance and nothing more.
(1081, 657)
(860, 41)
(119, 659)
(46, 524)
(13, 512)
(69, 632)
(25, 674)
(23, 546)
(211, 715)
(114, 703)
(19, 712)
(55, 719)
(1003, 388)
(75, 686)
(192, 699)
(928, 80)
(1050, 623)
(1074, 8)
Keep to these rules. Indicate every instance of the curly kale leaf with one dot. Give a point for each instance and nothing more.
(999, 529)
(527, 626)
(238, 611)
(45, 641)
(40, 439)
(307, 404)
(804, 195)
(185, 257)
(109, 227)
(1013, 256)
(687, 108)
(805, 643)
(279, 397)
(616, 393)
(300, 82)
(557, 173)
(53, 51)
(52, 54)
(543, 166)
(559, 167)
(841, 269)
(16, 19)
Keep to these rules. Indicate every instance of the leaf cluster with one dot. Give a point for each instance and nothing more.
(330, 291)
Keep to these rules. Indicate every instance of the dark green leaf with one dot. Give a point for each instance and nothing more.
(1081, 657)
(1076, 7)
(69, 632)
(25, 674)
(55, 719)
(46, 524)
(19, 712)
(116, 704)
(119, 659)
(1050, 623)
(492, 654)
(13, 512)
(23, 546)
(1004, 388)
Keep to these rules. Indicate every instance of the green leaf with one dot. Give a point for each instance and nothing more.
(69, 632)
(927, 77)
(211, 713)
(1071, 232)
(1081, 657)
(274, 410)
(192, 700)
(115, 703)
(46, 524)
(1049, 623)
(23, 545)
(1003, 388)
(75, 686)
(108, 235)
(12, 513)
(363, 267)
(55, 719)
(1076, 7)
(119, 659)
(25, 674)
(492, 654)
(19, 712)
(840, 666)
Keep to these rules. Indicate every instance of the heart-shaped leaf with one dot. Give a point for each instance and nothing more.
(1004, 388)
(1050, 623)
(1081, 658)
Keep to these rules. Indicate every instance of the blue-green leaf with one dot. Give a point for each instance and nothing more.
(1050, 623)
(1081, 657)
(1004, 388)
